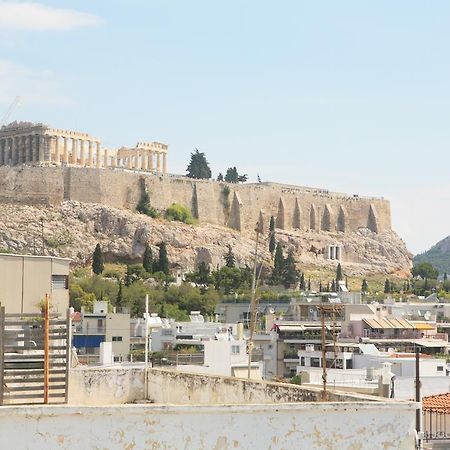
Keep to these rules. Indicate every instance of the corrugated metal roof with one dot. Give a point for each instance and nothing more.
(385, 324)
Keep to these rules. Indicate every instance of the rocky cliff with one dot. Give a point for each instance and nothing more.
(72, 230)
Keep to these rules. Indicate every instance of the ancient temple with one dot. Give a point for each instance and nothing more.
(36, 143)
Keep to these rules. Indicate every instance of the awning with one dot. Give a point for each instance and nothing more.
(422, 326)
(389, 324)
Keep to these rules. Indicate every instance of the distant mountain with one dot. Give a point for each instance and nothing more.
(438, 256)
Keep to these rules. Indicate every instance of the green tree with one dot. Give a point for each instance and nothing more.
(290, 273)
(425, 270)
(302, 282)
(387, 286)
(203, 273)
(119, 298)
(198, 166)
(272, 243)
(364, 286)
(230, 259)
(278, 266)
(309, 284)
(445, 276)
(143, 205)
(220, 177)
(163, 260)
(339, 274)
(147, 260)
(97, 260)
(333, 286)
(232, 175)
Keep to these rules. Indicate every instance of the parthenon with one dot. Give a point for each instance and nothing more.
(36, 143)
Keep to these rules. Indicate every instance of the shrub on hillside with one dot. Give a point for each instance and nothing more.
(179, 213)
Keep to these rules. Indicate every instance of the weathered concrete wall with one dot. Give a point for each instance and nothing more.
(241, 208)
(105, 386)
(119, 385)
(306, 425)
(175, 387)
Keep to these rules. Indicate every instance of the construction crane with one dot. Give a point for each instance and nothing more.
(10, 110)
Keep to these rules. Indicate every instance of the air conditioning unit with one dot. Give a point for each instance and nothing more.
(309, 347)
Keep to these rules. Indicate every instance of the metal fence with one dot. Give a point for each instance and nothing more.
(34, 357)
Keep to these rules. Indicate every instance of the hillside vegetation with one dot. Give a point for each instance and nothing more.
(438, 256)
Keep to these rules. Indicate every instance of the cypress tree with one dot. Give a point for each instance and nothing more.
(387, 287)
(290, 272)
(163, 260)
(272, 243)
(97, 260)
(333, 286)
(230, 259)
(364, 286)
(309, 284)
(119, 298)
(445, 276)
(302, 282)
(147, 260)
(339, 274)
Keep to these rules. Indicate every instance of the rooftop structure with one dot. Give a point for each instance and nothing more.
(26, 279)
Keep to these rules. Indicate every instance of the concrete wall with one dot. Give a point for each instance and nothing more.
(191, 427)
(105, 386)
(293, 206)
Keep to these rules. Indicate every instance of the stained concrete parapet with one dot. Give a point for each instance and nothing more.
(362, 426)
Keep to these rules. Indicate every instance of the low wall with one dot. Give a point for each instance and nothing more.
(105, 386)
(175, 387)
(361, 426)
(120, 385)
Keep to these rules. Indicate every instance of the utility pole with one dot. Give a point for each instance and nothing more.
(146, 349)
(418, 387)
(253, 305)
(42, 236)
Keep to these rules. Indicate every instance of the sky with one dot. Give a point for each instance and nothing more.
(352, 96)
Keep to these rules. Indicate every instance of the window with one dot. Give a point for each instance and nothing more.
(117, 338)
(302, 361)
(315, 362)
(99, 323)
(60, 282)
(440, 368)
(235, 350)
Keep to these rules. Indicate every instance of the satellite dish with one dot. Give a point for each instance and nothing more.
(309, 300)
(427, 315)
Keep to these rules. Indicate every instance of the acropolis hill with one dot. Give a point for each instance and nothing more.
(43, 166)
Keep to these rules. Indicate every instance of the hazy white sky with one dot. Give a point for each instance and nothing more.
(352, 96)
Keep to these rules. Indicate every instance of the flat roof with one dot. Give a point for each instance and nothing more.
(15, 255)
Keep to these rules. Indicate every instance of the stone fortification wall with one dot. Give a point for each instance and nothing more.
(238, 206)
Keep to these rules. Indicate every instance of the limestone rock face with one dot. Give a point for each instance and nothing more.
(73, 229)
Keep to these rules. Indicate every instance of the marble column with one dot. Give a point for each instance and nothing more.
(158, 162)
(2, 152)
(29, 148)
(144, 160)
(128, 162)
(65, 150)
(74, 154)
(42, 145)
(82, 155)
(57, 150)
(105, 158)
(164, 156)
(35, 147)
(150, 161)
(91, 154)
(98, 160)
(13, 151)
